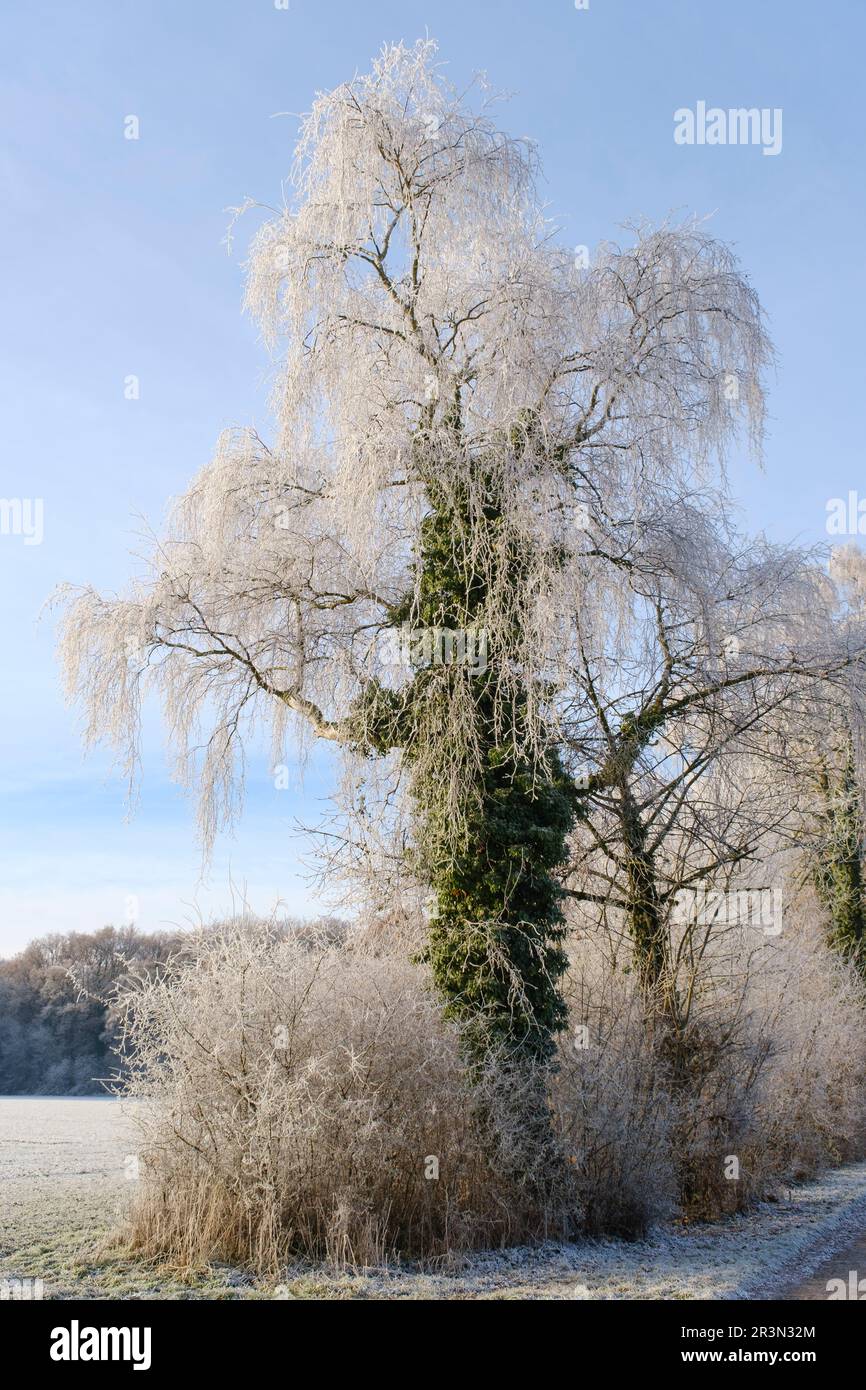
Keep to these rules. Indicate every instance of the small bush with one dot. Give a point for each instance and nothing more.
(304, 1098)
(775, 1059)
(612, 1109)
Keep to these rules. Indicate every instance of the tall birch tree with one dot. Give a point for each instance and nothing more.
(462, 407)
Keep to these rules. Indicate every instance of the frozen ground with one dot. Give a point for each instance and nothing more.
(64, 1186)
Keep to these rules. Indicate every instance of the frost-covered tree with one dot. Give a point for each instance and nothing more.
(689, 711)
(831, 772)
(462, 410)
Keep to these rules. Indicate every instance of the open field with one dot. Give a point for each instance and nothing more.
(64, 1183)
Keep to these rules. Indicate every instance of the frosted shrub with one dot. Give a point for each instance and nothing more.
(776, 1049)
(811, 1101)
(763, 1085)
(611, 1106)
(307, 1099)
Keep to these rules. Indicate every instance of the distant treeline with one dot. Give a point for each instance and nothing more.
(58, 1028)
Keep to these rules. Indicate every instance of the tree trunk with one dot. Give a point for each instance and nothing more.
(496, 935)
(645, 916)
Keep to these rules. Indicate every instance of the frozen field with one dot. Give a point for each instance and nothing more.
(46, 1141)
(64, 1188)
(62, 1185)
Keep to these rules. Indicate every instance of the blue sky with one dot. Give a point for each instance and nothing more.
(113, 264)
